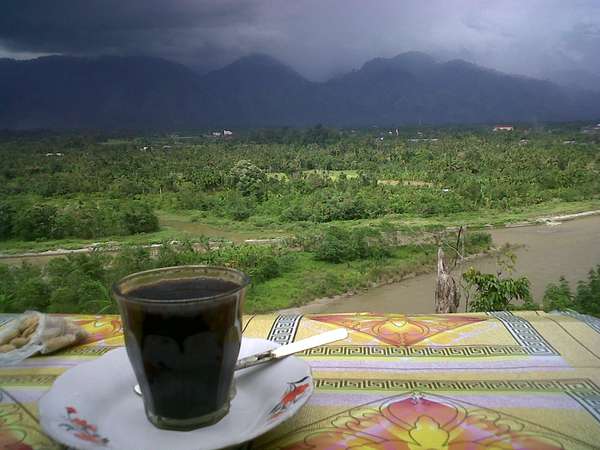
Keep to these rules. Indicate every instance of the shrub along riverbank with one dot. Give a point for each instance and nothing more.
(333, 262)
(187, 225)
(585, 299)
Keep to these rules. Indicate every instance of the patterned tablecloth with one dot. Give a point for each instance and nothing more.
(526, 380)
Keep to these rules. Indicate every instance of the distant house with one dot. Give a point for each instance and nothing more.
(504, 128)
(227, 133)
(166, 147)
(216, 134)
(423, 140)
(55, 154)
(593, 129)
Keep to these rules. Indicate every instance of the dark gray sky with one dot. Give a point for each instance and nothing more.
(318, 38)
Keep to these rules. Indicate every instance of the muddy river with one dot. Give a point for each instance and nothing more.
(549, 251)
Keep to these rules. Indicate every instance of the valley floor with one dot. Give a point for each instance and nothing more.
(401, 282)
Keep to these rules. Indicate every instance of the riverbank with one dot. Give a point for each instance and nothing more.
(404, 281)
(545, 252)
(184, 227)
(393, 277)
(282, 276)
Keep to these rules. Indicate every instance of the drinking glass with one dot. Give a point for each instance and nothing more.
(182, 328)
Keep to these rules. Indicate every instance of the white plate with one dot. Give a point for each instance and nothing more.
(93, 406)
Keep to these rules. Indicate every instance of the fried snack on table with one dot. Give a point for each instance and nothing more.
(34, 332)
(28, 321)
(19, 335)
(19, 341)
(13, 334)
(51, 332)
(29, 330)
(59, 342)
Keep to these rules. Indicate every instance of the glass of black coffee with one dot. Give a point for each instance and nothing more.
(182, 328)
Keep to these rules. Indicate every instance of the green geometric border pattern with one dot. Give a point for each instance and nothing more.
(583, 391)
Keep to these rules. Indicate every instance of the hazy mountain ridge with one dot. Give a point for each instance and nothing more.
(149, 93)
(576, 79)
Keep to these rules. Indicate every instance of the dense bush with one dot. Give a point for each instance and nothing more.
(78, 219)
(558, 296)
(338, 245)
(357, 201)
(260, 263)
(585, 300)
(476, 241)
(247, 178)
(138, 218)
(191, 197)
(235, 206)
(81, 283)
(35, 222)
(587, 296)
(7, 214)
(23, 288)
(491, 292)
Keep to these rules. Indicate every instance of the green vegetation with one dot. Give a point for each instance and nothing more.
(308, 278)
(338, 245)
(258, 183)
(586, 298)
(558, 296)
(81, 283)
(496, 293)
(282, 276)
(39, 221)
(351, 208)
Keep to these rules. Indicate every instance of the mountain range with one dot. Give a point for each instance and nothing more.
(118, 92)
(576, 78)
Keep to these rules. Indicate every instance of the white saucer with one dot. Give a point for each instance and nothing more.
(93, 406)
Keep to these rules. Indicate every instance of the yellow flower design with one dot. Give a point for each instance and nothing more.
(418, 423)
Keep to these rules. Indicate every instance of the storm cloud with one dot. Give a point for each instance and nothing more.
(318, 38)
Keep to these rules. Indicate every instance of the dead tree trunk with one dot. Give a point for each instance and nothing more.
(447, 295)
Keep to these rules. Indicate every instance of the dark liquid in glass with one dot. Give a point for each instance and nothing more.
(184, 354)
